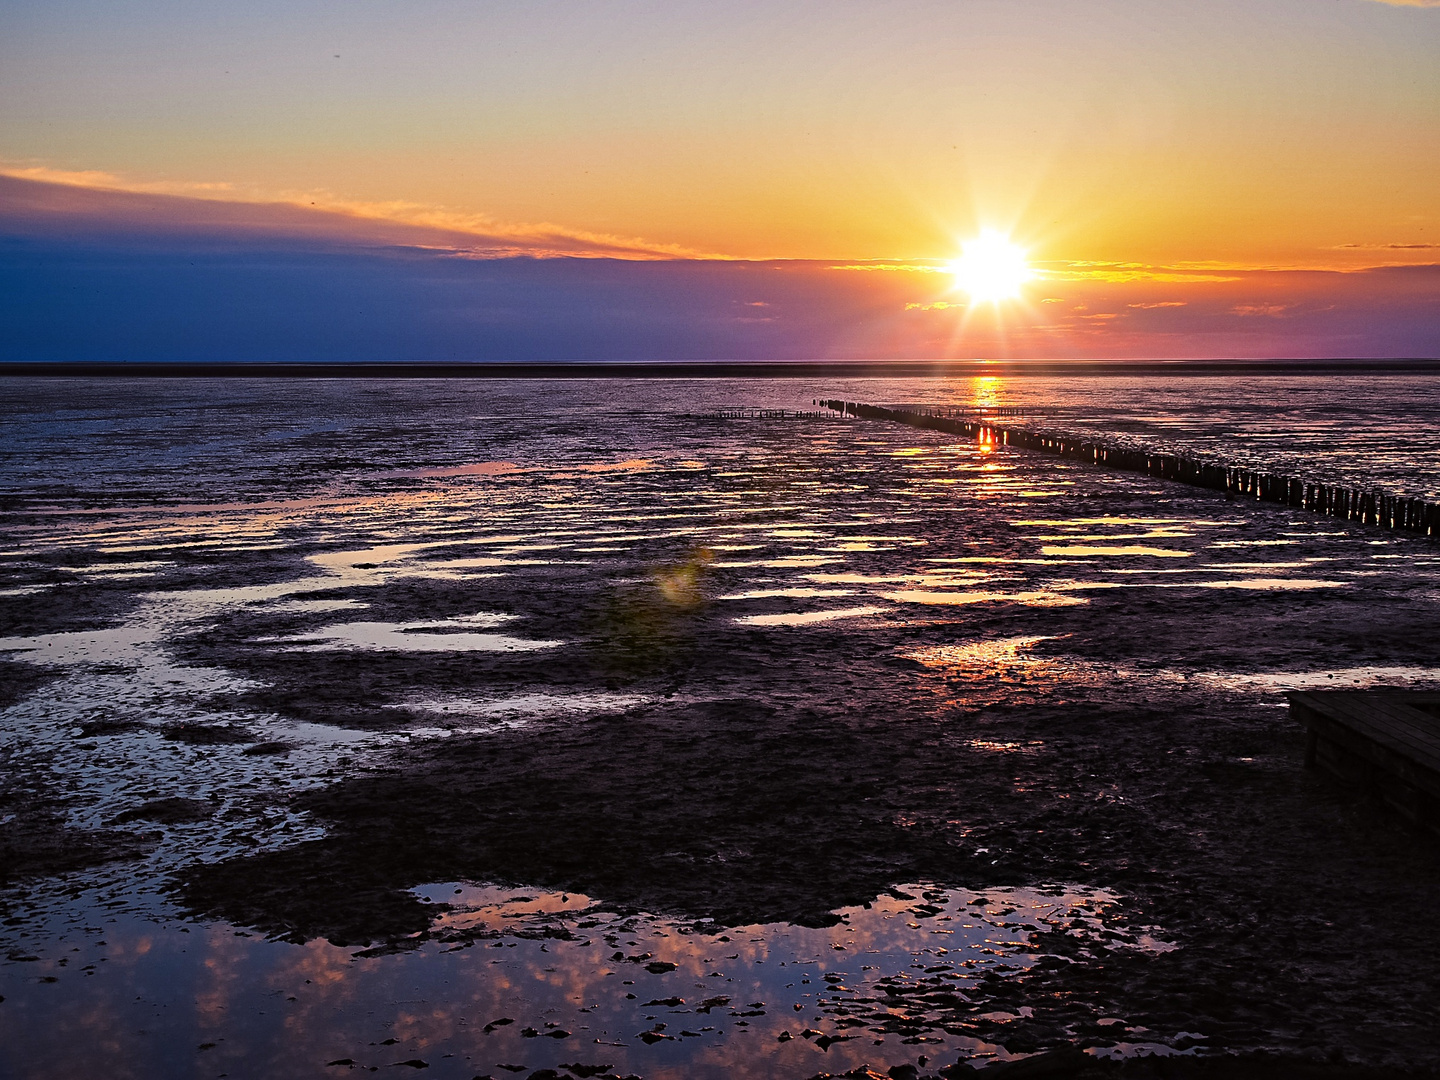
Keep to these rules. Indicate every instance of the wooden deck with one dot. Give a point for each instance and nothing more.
(1386, 742)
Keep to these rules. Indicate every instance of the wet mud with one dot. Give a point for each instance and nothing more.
(1280, 890)
(863, 758)
(36, 839)
(770, 678)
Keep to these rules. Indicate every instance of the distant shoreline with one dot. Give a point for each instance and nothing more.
(712, 369)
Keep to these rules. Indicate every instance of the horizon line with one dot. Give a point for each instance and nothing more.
(656, 368)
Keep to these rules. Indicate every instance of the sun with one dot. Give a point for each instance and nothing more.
(990, 268)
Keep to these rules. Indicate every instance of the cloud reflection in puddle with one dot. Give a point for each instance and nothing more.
(806, 618)
(512, 975)
(447, 635)
(797, 591)
(1038, 598)
(1114, 549)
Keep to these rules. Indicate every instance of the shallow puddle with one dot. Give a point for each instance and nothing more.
(451, 635)
(1038, 598)
(509, 977)
(797, 592)
(1352, 678)
(807, 618)
(1086, 550)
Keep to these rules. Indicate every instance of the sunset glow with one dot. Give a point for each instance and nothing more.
(991, 268)
(1236, 178)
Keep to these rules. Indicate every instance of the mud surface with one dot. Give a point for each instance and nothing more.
(743, 672)
(1279, 889)
(35, 838)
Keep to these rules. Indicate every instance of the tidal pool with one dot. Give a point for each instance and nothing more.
(515, 980)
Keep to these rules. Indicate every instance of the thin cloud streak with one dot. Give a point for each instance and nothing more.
(95, 194)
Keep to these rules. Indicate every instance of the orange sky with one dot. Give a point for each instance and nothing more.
(1254, 133)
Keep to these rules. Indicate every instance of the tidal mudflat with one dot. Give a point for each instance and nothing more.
(494, 728)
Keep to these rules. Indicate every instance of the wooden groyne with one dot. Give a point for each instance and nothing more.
(1334, 500)
(741, 413)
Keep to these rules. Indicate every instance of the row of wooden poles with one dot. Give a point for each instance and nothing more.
(759, 414)
(1350, 504)
(965, 410)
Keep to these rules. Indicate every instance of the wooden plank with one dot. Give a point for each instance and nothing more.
(1425, 703)
(1420, 753)
(1390, 722)
(1402, 721)
(1385, 779)
(1414, 723)
(1396, 719)
(1396, 763)
(1331, 723)
(1350, 735)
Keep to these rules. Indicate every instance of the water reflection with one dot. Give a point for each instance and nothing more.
(797, 592)
(443, 635)
(1019, 668)
(1086, 550)
(987, 392)
(1271, 584)
(510, 977)
(1035, 598)
(807, 618)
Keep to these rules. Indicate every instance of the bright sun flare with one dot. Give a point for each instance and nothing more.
(990, 268)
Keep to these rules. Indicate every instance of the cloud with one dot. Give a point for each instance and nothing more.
(1273, 311)
(93, 178)
(90, 272)
(1389, 247)
(1119, 273)
(894, 267)
(99, 201)
(1410, 3)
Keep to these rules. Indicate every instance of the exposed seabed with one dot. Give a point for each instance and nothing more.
(635, 686)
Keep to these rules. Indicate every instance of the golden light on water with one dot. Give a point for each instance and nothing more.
(990, 268)
(986, 392)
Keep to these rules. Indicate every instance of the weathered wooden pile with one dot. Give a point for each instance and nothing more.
(740, 413)
(1350, 504)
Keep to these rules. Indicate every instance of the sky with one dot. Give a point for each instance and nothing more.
(202, 181)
